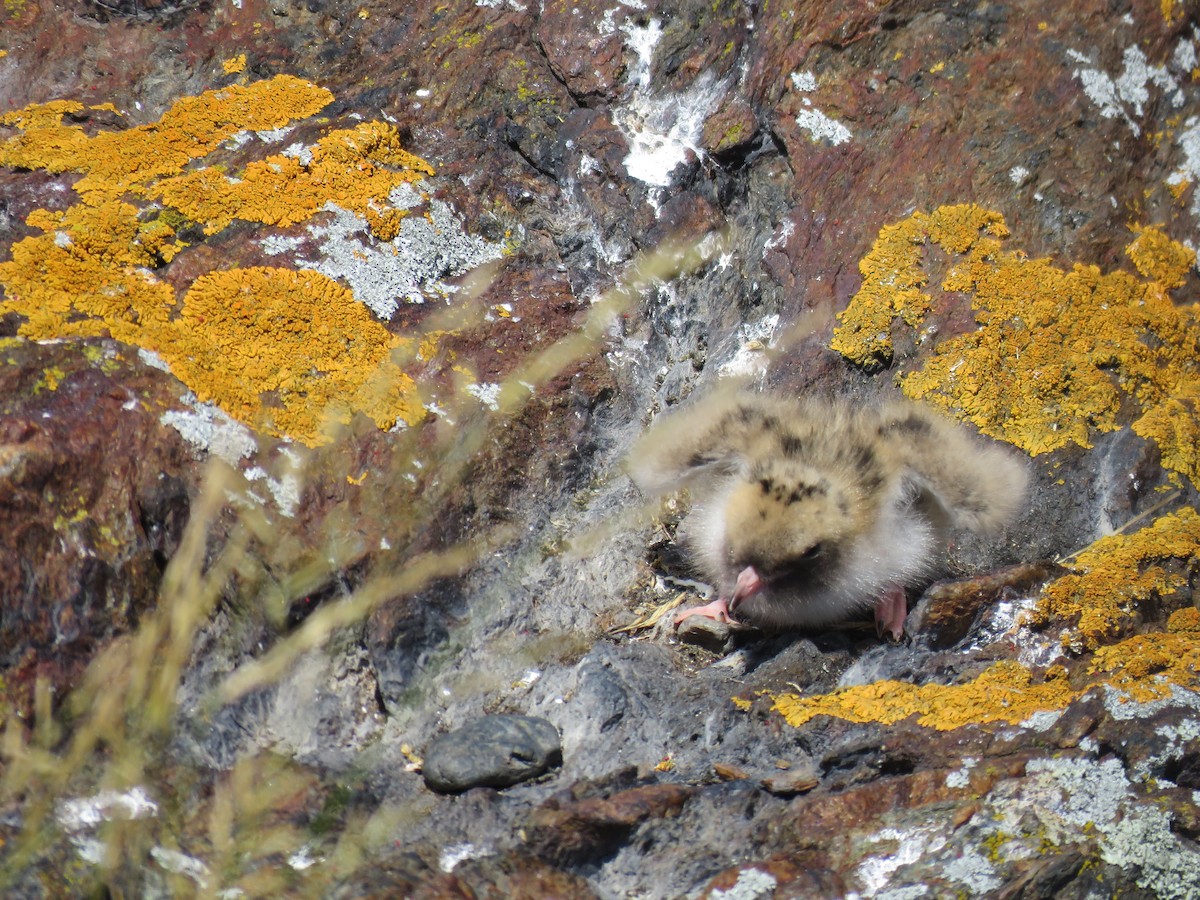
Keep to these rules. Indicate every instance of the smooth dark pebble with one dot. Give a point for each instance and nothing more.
(494, 751)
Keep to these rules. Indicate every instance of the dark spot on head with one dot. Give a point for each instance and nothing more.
(803, 491)
(910, 425)
(866, 464)
(863, 458)
(791, 445)
(766, 484)
(873, 480)
(751, 416)
(699, 459)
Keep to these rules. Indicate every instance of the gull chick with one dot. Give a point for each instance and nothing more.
(806, 511)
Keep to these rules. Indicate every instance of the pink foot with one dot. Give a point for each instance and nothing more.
(891, 609)
(718, 609)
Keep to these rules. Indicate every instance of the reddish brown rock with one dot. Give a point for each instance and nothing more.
(94, 494)
(948, 609)
(587, 57)
(511, 875)
(590, 829)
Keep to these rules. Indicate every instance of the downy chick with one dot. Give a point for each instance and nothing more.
(806, 511)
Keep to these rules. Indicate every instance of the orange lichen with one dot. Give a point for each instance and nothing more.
(1116, 574)
(234, 64)
(1143, 668)
(354, 168)
(1178, 187)
(113, 162)
(85, 276)
(1174, 425)
(1172, 11)
(1184, 620)
(1146, 666)
(893, 277)
(325, 357)
(1057, 351)
(1158, 257)
(1006, 692)
(278, 349)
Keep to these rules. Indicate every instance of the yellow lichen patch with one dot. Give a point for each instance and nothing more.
(1174, 424)
(1006, 692)
(113, 162)
(1158, 257)
(41, 115)
(1145, 666)
(1142, 668)
(288, 350)
(52, 378)
(1057, 351)
(1116, 574)
(355, 169)
(84, 276)
(1172, 10)
(893, 277)
(1184, 620)
(1178, 187)
(234, 64)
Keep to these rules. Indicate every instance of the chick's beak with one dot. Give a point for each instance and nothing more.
(749, 583)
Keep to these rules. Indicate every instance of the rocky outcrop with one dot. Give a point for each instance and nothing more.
(380, 260)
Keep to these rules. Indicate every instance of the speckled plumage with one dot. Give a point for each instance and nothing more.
(805, 511)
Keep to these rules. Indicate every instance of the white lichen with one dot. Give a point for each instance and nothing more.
(805, 82)
(823, 128)
(210, 430)
(961, 778)
(750, 885)
(488, 394)
(1188, 141)
(1127, 94)
(1077, 795)
(381, 274)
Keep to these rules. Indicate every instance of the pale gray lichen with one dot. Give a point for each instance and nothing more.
(1090, 794)
(382, 274)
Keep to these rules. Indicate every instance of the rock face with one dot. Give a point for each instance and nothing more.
(94, 501)
(365, 253)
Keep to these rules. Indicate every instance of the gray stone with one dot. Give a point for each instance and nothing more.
(495, 751)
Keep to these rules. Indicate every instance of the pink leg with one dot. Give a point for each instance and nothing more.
(890, 611)
(718, 609)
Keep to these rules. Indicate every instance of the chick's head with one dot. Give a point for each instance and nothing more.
(790, 525)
